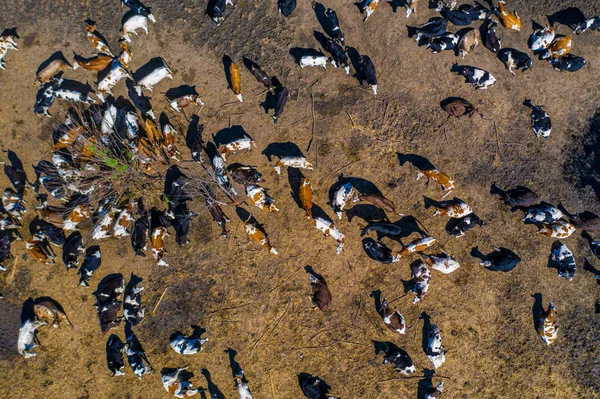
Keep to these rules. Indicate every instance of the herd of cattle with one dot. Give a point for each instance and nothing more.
(153, 142)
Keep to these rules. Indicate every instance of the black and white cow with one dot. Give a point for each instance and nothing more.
(540, 121)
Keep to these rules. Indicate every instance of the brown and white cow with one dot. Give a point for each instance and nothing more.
(379, 201)
(259, 197)
(39, 250)
(96, 63)
(257, 235)
(123, 221)
(392, 318)
(169, 145)
(245, 143)
(547, 327)
(50, 310)
(305, 194)
(53, 68)
(448, 185)
(330, 230)
(456, 208)
(96, 39)
(418, 245)
(158, 245)
(558, 229)
(102, 229)
(293, 162)
(75, 216)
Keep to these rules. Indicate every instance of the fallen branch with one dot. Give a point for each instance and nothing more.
(12, 272)
(159, 301)
(274, 327)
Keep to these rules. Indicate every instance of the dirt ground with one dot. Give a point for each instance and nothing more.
(257, 304)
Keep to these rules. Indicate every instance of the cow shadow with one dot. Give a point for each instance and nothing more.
(196, 332)
(321, 38)
(230, 134)
(213, 389)
(298, 52)
(425, 384)
(308, 269)
(133, 282)
(408, 285)
(408, 226)
(318, 212)
(319, 10)
(58, 55)
(236, 369)
(355, 60)
(476, 253)
(417, 161)
(537, 309)
(14, 160)
(385, 347)
(553, 264)
(323, 386)
(280, 150)
(427, 327)
(180, 91)
(395, 4)
(570, 17)
(295, 177)
(271, 98)
(367, 212)
(588, 266)
(27, 312)
(10, 32)
(148, 67)
(227, 61)
(194, 131)
(376, 295)
(75, 85)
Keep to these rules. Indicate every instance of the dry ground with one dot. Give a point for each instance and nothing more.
(238, 292)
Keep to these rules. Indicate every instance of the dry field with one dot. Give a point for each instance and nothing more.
(239, 292)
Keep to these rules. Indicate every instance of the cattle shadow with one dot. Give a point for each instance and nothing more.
(324, 388)
(476, 253)
(175, 181)
(148, 67)
(213, 389)
(227, 61)
(385, 347)
(588, 266)
(10, 32)
(570, 17)
(10, 314)
(133, 282)
(408, 285)
(295, 177)
(367, 212)
(180, 91)
(236, 369)
(280, 150)
(376, 295)
(425, 384)
(140, 101)
(318, 212)
(230, 134)
(194, 131)
(270, 102)
(14, 160)
(355, 60)
(309, 270)
(427, 328)
(58, 55)
(319, 10)
(553, 264)
(298, 52)
(536, 309)
(196, 332)
(417, 161)
(27, 312)
(408, 225)
(75, 85)
(395, 4)
(321, 38)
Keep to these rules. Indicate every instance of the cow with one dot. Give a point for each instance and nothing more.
(54, 235)
(459, 107)
(464, 224)
(590, 23)
(321, 296)
(514, 59)
(109, 301)
(5, 253)
(131, 22)
(547, 328)
(7, 42)
(509, 20)
(467, 42)
(441, 262)
(586, 220)
(314, 388)
(338, 55)
(448, 185)
(435, 392)
(330, 230)
(569, 62)
(518, 196)
(180, 102)
(189, 345)
(313, 60)
(259, 197)
(75, 216)
(376, 250)
(392, 318)
(476, 12)
(168, 144)
(67, 136)
(13, 203)
(292, 162)
(114, 355)
(50, 71)
(157, 74)
(455, 208)
(181, 219)
(123, 221)
(51, 311)
(341, 196)
(242, 386)
(436, 26)
(91, 263)
(411, 7)
(305, 196)
(369, 7)
(96, 63)
(244, 175)
(218, 215)
(388, 229)
(334, 26)
(137, 7)
(175, 383)
(132, 305)
(216, 9)
(236, 81)
(281, 97)
(40, 250)
(500, 260)
(103, 227)
(594, 244)
(377, 200)
(560, 47)
(540, 121)
(435, 350)
(421, 276)
(457, 17)
(96, 39)
(542, 213)
(558, 229)
(564, 260)
(490, 38)
(244, 143)
(125, 56)
(27, 340)
(8, 223)
(476, 77)
(418, 245)
(259, 74)
(158, 232)
(108, 78)
(71, 249)
(45, 98)
(257, 235)
(285, 7)
(541, 39)
(218, 165)
(136, 357)
(400, 360)
(367, 72)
